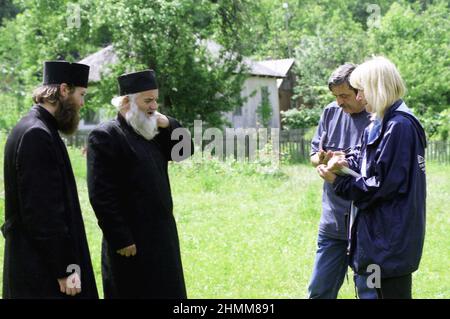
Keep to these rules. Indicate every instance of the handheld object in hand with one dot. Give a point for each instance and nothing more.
(349, 171)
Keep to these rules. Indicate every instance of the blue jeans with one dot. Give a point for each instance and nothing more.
(364, 292)
(330, 268)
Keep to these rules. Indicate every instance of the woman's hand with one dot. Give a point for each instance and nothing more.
(326, 173)
(336, 163)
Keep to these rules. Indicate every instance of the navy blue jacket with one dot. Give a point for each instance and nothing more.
(389, 227)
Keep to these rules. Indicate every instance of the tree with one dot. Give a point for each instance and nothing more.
(7, 10)
(264, 109)
(304, 118)
(193, 85)
(318, 55)
(28, 40)
(417, 41)
(168, 36)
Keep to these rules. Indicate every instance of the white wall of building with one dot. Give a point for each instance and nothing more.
(248, 117)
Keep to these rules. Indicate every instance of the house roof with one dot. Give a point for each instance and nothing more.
(258, 69)
(281, 66)
(100, 60)
(254, 67)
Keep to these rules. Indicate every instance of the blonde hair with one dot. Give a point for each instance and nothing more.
(49, 93)
(381, 82)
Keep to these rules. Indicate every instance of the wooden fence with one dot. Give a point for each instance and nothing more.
(79, 139)
(438, 151)
(296, 147)
(293, 143)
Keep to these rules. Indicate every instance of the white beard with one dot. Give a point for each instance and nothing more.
(144, 125)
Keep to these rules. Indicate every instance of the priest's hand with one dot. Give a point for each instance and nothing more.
(70, 285)
(162, 120)
(128, 251)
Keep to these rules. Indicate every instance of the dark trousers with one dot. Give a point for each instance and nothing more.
(396, 288)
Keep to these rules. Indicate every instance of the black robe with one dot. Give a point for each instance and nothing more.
(130, 192)
(44, 230)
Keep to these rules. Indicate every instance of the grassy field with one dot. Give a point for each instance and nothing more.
(251, 234)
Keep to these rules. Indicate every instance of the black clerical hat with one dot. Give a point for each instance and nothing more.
(137, 82)
(57, 72)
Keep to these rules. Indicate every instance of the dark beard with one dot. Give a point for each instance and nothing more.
(67, 116)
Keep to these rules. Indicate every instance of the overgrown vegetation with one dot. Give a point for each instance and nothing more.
(167, 35)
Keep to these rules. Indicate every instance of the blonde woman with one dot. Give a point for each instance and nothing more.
(388, 217)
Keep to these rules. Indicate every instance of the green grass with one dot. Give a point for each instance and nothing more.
(247, 234)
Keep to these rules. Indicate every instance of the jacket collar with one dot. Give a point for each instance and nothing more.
(376, 127)
(393, 108)
(45, 116)
(122, 121)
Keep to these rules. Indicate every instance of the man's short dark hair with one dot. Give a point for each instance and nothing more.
(342, 75)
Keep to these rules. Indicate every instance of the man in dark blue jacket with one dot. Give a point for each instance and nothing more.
(388, 216)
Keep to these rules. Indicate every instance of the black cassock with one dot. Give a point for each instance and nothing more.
(44, 230)
(130, 192)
